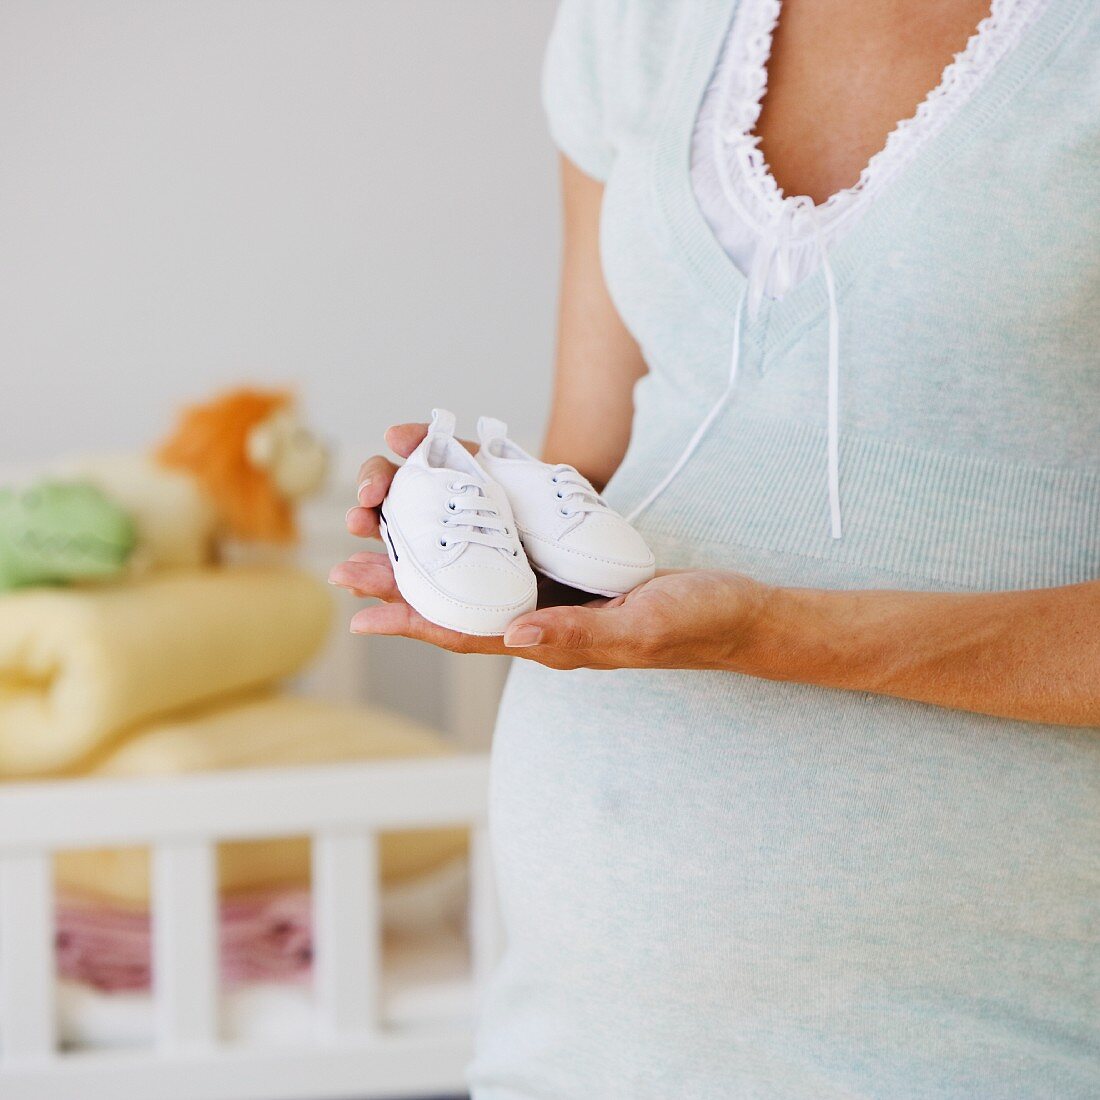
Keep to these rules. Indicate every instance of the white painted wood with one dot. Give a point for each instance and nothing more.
(346, 932)
(182, 817)
(377, 795)
(486, 933)
(344, 807)
(431, 1062)
(27, 981)
(185, 944)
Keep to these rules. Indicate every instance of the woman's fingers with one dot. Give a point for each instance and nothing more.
(375, 476)
(363, 522)
(399, 618)
(371, 575)
(366, 575)
(403, 439)
(592, 635)
(562, 637)
(578, 628)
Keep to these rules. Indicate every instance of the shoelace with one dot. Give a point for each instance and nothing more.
(577, 494)
(753, 287)
(473, 518)
(779, 254)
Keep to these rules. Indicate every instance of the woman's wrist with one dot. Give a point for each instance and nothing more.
(797, 634)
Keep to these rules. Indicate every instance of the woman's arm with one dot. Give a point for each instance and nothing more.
(597, 360)
(1033, 655)
(1030, 655)
(596, 366)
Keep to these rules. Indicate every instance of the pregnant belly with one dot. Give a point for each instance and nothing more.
(816, 877)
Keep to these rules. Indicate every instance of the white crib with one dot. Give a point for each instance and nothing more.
(350, 1052)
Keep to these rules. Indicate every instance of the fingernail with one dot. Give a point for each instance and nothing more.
(363, 485)
(347, 514)
(522, 636)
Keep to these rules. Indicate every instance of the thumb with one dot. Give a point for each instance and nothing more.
(561, 627)
(403, 439)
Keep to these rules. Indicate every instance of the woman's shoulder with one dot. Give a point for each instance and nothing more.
(631, 37)
(605, 65)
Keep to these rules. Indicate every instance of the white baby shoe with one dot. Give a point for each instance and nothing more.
(449, 532)
(569, 533)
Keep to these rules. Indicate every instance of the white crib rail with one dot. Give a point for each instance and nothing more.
(342, 808)
(27, 1026)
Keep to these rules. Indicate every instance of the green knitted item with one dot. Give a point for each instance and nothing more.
(59, 531)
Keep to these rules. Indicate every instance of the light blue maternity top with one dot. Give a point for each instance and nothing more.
(718, 887)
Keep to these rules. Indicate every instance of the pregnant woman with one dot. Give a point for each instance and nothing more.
(815, 813)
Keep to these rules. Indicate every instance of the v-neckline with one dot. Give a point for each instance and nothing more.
(697, 52)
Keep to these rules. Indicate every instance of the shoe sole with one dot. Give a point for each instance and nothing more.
(570, 584)
(423, 596)
(646, 573)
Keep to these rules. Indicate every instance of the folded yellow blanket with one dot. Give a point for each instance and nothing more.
(79, 666)
(266, 730)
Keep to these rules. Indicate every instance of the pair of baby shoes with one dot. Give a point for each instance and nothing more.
(463, 531)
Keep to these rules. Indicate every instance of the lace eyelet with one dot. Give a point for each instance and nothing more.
(558, 495)
(564, 512)
(451, 506)
(554, 480)
(444, 543)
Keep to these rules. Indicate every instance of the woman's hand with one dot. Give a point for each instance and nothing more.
(1033, 655)
(376, 474)
(691, 619)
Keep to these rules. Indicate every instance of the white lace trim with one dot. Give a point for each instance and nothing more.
(733, 103)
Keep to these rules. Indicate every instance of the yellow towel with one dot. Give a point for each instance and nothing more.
(79, 666)
(271, 731)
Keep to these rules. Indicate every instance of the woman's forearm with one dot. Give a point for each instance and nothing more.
(598, 361)
(1033, 655)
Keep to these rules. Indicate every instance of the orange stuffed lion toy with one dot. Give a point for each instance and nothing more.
(229, 475)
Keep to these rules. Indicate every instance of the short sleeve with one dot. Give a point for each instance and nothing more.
(574, 86)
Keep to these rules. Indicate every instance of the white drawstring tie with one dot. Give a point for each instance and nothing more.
(708, 420)
(775, 252)
(833, 418)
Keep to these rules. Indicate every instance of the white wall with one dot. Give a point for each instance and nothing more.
(358, 198)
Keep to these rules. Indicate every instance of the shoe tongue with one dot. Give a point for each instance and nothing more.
(490, 431)
(443, 422)
(450, 459)
(437, 443)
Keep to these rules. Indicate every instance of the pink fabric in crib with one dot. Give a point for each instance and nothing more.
(263, 937)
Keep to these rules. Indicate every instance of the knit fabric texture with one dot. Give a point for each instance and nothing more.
(715, 886)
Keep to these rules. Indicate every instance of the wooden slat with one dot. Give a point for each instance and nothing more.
(346, 932)
(378, 795)
(486, 934)
(27, 969)
(185, 945)
(424, 1061)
